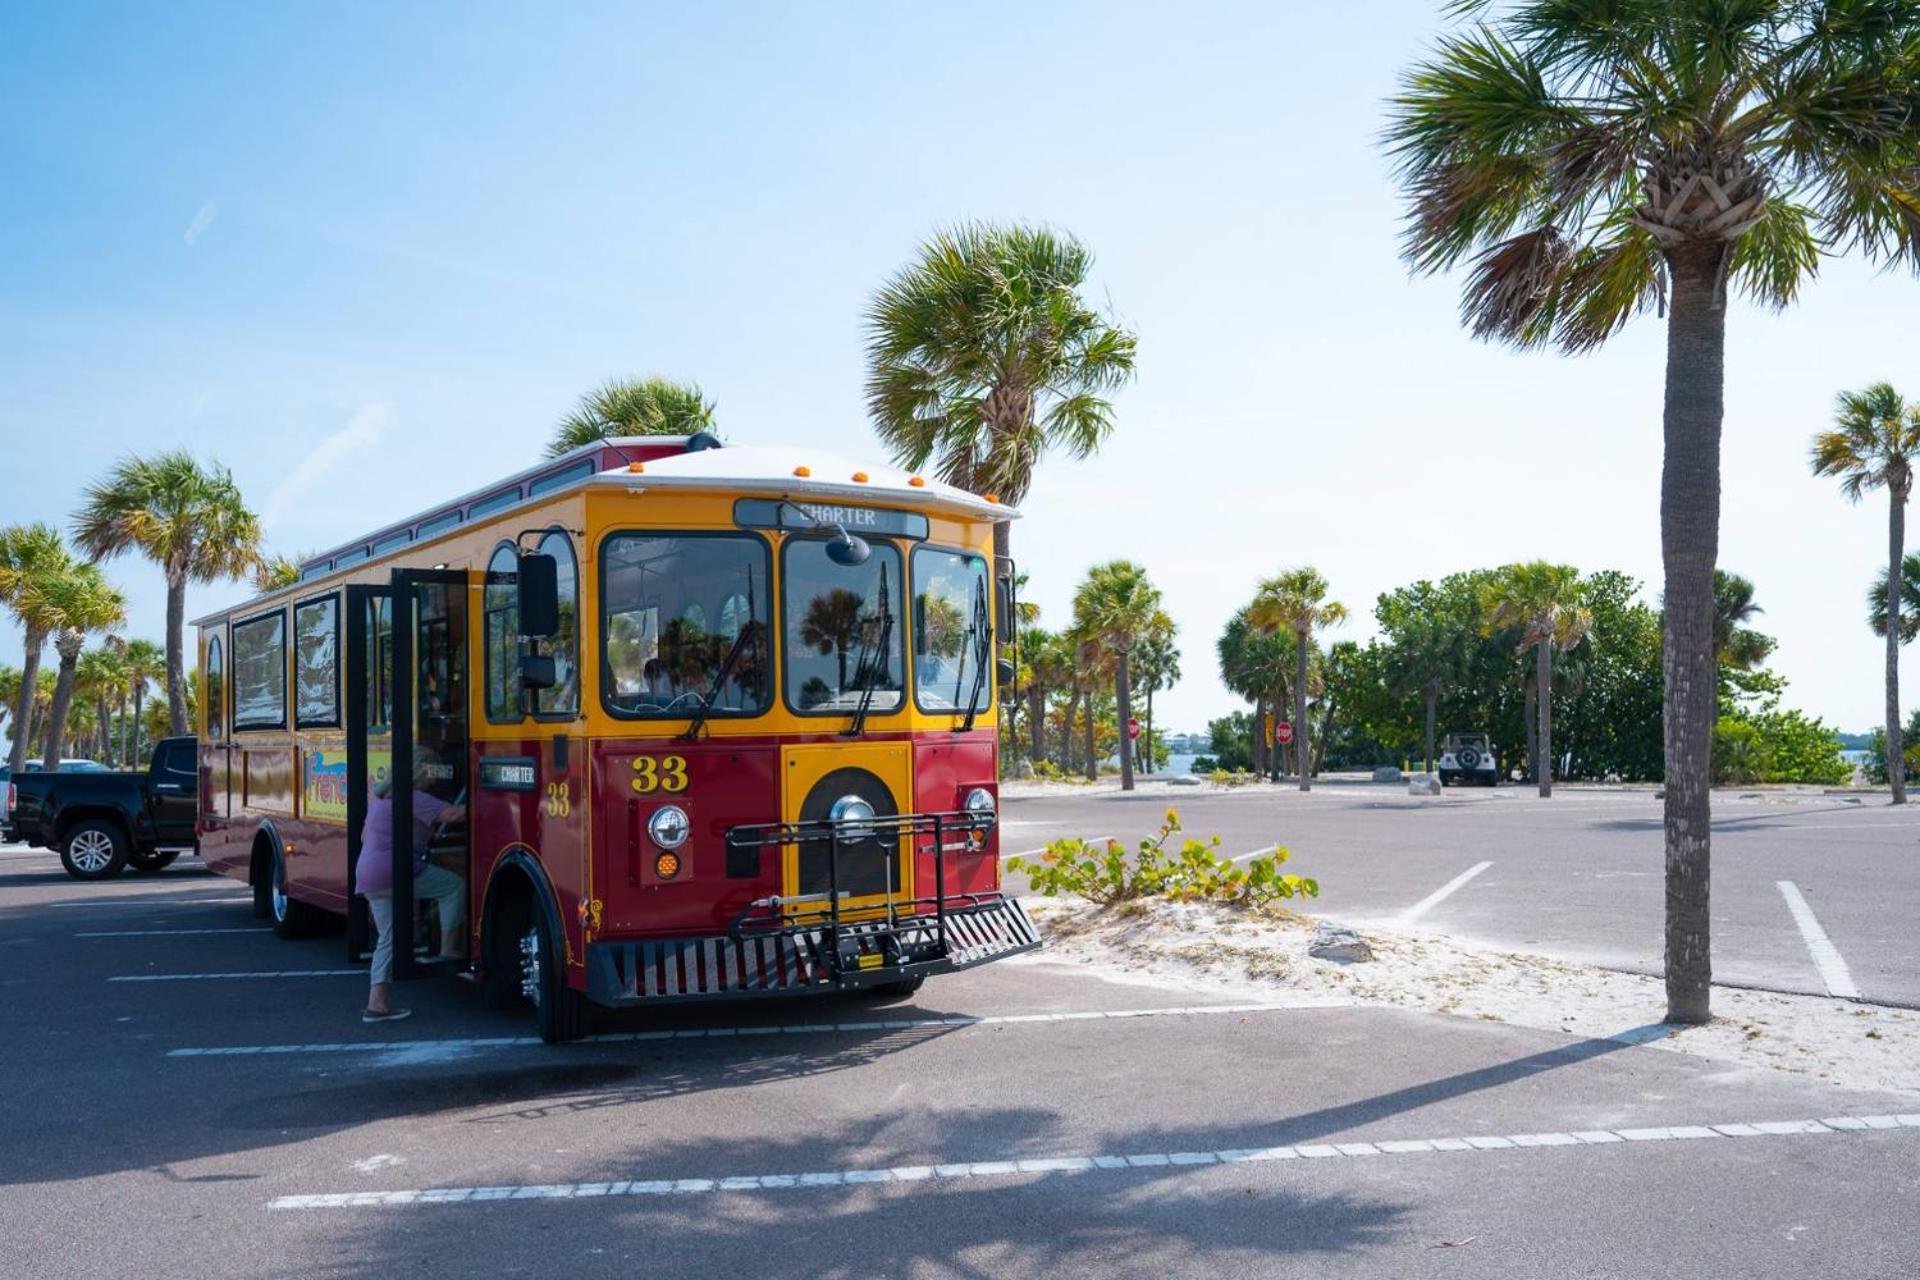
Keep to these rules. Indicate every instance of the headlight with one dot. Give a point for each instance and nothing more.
(669, 826)
(979, 803)
(852, 814)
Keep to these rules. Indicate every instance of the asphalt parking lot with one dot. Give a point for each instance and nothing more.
(190, 1096)
(1577, 876)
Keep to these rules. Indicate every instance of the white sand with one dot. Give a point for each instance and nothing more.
(1255, 956)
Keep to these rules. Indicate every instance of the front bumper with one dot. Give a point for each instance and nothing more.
(810, 959)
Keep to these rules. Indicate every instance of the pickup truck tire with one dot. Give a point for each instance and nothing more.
(94, 849)
(153, 860)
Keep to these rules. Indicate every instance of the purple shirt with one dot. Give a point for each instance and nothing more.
(373, 873)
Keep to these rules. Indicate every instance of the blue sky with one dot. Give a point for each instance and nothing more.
(367, 255)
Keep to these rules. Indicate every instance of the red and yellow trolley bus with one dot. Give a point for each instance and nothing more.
(724, 721)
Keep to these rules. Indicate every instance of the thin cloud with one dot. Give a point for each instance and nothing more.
(363, 431)
(201, 221)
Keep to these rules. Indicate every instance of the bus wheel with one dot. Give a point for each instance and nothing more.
(559, 1010)
(154, 861)
(291, 917)
(902, 988)
(94, 850)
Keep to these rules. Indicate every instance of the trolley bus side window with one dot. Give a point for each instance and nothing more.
(674, 608)
(501, 637)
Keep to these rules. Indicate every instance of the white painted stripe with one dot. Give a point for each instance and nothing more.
(1249, 857)
(150, 904)
(1034, 853)
(168, 933)
(1826, 957)
(1105, 1163)
(796, 1028)
(211, 977)
(1441, 894)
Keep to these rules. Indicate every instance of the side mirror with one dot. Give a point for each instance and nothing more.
(1006, 671)
(537, 671)
(847, 550)
(539, 578)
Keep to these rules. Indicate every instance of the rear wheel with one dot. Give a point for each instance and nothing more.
(291, 917)
(152, 860)
(94, 850)
(559, 1010)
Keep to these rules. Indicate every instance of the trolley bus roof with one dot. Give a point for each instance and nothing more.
(798, 472)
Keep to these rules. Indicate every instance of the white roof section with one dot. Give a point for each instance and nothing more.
(793, 471)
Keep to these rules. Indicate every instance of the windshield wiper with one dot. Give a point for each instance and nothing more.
(752, 627)
(858, 725)
(982, 655)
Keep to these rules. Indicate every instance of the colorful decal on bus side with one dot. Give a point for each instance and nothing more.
(324, 781)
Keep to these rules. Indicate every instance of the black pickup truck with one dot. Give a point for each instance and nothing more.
(102, 822)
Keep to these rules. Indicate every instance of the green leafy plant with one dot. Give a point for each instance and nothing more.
(1102, 872)
(1231, 777)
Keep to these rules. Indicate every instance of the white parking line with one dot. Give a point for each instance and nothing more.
(1441, 894)
(149, 903)
(792, 1029)
(1015, 1166)
(211, 977)
(1249, 857)
(1826, 957)
(1034, 853)
(167, 933)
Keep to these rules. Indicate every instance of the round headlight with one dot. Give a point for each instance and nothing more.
(853, 814)
(979, 803)
(669, 826)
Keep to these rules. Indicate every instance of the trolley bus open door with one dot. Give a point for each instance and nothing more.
(407, 649)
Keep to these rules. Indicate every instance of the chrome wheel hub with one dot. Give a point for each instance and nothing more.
(279, 896)
(530, 967)
(91, 850)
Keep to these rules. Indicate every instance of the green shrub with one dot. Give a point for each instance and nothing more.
(1771, 745)
(1232, 777)
(1195, 872)
(1048, 771)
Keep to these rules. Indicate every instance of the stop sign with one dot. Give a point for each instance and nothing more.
(1283, 732)
(1133, 729)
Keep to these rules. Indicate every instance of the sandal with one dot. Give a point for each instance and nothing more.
(391, 1015)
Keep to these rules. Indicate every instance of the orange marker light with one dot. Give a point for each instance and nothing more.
(636, 467)
(918, 482)
(803, 472)
(859, 477)
(992, 497)
(667, 866)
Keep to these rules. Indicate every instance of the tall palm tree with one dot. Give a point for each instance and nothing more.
(1256, 664)
(97, 679)
(1116, 604)
(145, 663)
(1873, 444)
(1093, 665)
(1909, 600)
(1600, 160)
(633, 407)
(1157, 660)
(1738, 645)
(1049, 670)
(86, 604)
(32, 558)
(1296, 601)
(189, 519)
(982, 356)
(1544, 604)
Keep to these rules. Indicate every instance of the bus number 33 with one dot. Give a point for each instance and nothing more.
(663, 773)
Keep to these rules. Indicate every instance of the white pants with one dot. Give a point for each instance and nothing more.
(448, 893)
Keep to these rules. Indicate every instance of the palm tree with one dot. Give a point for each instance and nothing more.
(831, 624)
(32, 557)
(1296, 601)
(1738, 645)
(1256, 665)
(1430, 646)
(99, 677)
(86, 603)
(1543, 603)
(1873, 444)
(275, 572)
(633, 407)
(982, 355)
(1116, 604)
(1049, 670)
(1601, 160)
(190, 520)
(1909, 600)
(145, 662)
(1157, 660)
(1093, 664)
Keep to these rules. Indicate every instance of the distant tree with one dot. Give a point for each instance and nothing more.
(1909, 600)
(982, 356)
(1296, 602)
(1157, 663)
(274, 573)
(32, 558)
(1873, 444)
(87, 604)
(189, 519)
(633, 407)
(144, 662)
(1115, 606)
(1544, 602)
(1430, 645)
(1738, 645)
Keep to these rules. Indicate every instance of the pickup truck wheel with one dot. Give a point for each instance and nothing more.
(152, 861)
(94, 850)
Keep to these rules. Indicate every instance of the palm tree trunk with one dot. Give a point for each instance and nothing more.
(1256, 750)
(100, 724)
(1093, 761)
(1689, 545)
(1036, 723)
(139, 723)
(1300, 712)
(1543, 682)
(176, 653)
(1433, 710)
(1529, 716)
(126, 733)
(1147, 737)
(55, 746)
(1896, 548)
(23, 705)
(1123, 711)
